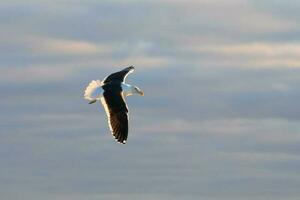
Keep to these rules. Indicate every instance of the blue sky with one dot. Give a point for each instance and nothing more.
(220, 115)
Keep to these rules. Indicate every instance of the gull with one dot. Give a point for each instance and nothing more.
(111, 91)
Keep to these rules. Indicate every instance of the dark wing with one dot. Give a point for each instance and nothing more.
(119, 76)
(116, 111)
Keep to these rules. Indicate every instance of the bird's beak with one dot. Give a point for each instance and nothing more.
(141, 93)
(93, 101)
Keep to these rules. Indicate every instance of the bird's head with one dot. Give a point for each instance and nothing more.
(138, 91)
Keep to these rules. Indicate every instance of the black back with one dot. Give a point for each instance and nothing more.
(113, 97)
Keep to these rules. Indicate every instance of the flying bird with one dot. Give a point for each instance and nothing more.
(111, 91)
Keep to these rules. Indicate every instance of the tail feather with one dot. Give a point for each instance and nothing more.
(93, 91)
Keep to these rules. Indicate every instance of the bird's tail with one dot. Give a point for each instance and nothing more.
(93, 91)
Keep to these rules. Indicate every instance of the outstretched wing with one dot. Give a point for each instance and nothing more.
(117, 114)
(119, 76)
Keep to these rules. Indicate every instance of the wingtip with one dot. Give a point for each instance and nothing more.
(131, 67)
(121, 142)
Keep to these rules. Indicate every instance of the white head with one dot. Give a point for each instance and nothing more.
(131, 90)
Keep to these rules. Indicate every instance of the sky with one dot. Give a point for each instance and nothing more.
(219, 119)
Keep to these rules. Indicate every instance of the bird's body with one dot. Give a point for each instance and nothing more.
(111, 92)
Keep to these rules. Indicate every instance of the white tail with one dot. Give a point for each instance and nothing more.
(93, 91)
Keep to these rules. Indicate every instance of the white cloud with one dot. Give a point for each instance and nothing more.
(145, 61)
(248, 55)
(35, 73)
(258, 49)
(67, 47)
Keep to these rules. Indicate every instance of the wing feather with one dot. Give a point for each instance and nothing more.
(119, 76)
(117, 114)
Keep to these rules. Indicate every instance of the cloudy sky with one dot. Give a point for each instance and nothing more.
(219, 119)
